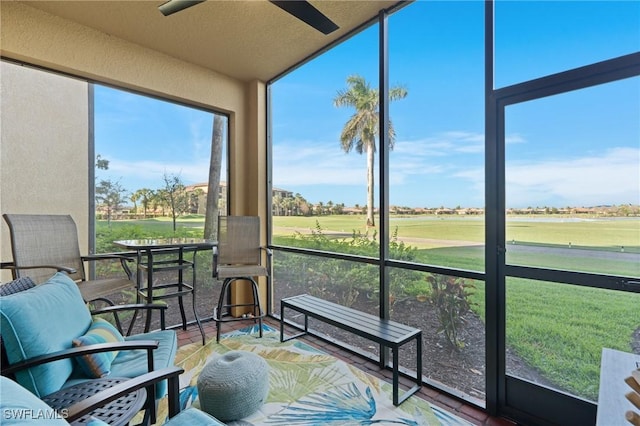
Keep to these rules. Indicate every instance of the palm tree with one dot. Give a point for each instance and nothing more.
(145, 195)
(215, 169)
(134, 199)
(362, 128)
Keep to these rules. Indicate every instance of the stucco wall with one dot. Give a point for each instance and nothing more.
(43, 147)
(35, 37)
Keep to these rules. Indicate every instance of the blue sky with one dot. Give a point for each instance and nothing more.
(580, 148)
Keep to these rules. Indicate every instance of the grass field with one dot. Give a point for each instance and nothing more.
(558, 329)
(605, 234)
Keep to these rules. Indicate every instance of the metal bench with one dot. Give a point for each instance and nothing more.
(386, 333)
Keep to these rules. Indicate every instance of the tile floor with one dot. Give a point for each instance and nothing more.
(462, 409)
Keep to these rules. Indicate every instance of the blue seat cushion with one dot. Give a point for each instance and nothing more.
(134, 363)
(39, 321)
(193, 416)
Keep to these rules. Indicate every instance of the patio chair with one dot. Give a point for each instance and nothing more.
(51, 341)
(238, 256)
(41, 244)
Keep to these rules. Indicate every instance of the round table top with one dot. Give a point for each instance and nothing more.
(118, 412)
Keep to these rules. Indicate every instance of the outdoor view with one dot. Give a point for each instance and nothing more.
(572, 172)
(152, 173)
(572, 185)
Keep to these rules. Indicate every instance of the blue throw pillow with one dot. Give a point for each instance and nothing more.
(98, 364)
(16, 286)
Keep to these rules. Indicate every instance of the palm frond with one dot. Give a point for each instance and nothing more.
(338, 405)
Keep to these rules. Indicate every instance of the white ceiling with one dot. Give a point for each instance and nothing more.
(244, 39)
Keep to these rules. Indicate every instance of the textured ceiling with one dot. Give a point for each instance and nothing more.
(243, 39)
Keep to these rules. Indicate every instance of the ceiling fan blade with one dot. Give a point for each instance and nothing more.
(305, 11)
(173, 6)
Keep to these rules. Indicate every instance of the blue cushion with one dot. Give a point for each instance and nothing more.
(18, 406)
(192, 416)
(42, 320)
(134, 363)
(98, 364)
(94, 421)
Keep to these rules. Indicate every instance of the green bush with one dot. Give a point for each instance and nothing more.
(343, 280)
(450, 295)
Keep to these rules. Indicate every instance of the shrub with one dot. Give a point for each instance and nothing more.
(449, 296)
(341, 280)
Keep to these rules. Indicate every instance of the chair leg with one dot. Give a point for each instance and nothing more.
(217, 317)
(193, 299)
(256, 311)
(256, 304)
(182, 313)
(195, 314)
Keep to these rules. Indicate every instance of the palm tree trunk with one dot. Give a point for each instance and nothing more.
(370, 219)
(215, 166)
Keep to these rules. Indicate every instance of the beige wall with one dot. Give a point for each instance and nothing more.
(43, 147)
(37, 38)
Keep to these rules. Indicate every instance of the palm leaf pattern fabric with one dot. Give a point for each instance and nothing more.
(309, 387)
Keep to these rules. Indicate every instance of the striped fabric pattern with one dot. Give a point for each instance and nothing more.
(98, 364)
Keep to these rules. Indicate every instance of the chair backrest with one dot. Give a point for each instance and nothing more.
(39, 321)
(12, 287)
(239, 240)
(38, 239)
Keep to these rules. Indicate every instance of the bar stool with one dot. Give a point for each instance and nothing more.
(238, 256)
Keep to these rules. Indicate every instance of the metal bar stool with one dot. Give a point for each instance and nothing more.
(238, 256)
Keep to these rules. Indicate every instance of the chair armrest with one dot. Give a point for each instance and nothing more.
(215, 261)
(114, 309)
(124, 257)
(128, 256)
(132, 306)
(149, 345)
(269, 252)
(13, 268)
(106, 396)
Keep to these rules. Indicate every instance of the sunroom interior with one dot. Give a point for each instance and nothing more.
(232, 58)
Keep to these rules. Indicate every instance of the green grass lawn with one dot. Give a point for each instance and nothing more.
(558, 329)
(601, 234)
(561, 329)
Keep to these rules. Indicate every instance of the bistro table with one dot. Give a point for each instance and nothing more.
(172, 251)
(118, 412)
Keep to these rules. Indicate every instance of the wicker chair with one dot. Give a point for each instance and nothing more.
(51, 242)
(238, 256)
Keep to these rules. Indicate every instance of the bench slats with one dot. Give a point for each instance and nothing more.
(361, 323)
(387, 333)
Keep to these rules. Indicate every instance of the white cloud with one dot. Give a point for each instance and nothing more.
(135, 174)
(324, 163)
(610, 178)
(313, 163)
(444, 144)
(514, 138)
